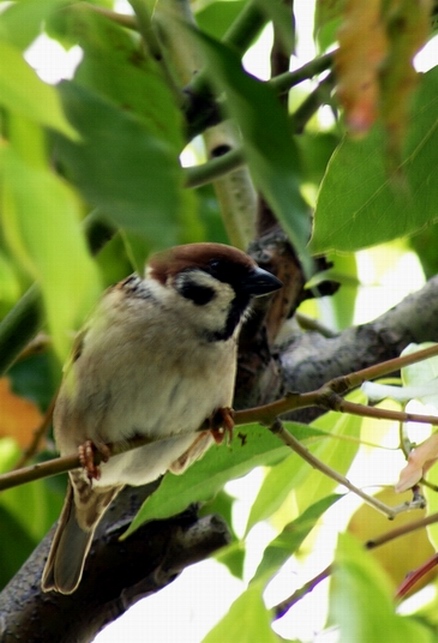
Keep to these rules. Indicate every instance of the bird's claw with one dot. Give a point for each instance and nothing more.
(222, 424)
(90, 456)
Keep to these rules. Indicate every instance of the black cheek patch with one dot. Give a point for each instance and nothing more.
(200, 295)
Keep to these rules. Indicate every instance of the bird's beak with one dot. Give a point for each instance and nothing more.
(260, 282)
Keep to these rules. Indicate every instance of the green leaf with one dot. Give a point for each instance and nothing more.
(114, 66)
(281, 479)
(33, 505)
(420, 372)
(17, 545)
(233, 557)
(293, 473)
(21, 22)
(247, 620)
(361, 204)
(215, 18)
(252, 446)
(267, 140)
(22, 92)
(328, 18)
(41, 224)
(122, 167)
(281, 16)
(338, 454)
(287, 543)
(361, 604)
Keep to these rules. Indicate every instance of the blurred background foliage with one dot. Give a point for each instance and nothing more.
(94, 176)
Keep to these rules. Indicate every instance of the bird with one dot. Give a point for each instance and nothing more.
(156, 358)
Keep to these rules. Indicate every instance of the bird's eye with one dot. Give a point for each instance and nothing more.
(214, 265)
(200, 295)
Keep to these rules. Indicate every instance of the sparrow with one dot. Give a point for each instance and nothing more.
(156, 359)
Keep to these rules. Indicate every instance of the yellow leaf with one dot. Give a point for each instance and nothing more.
(399, 556)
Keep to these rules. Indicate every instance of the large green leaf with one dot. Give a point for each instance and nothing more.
(216, 17)
(21, 22)
(22, 92)
(361, 203)
(281, 479)
(114, 65)
(336, 453)
(247, 620)
(294, 473)
(121, 166)
(41, 222)
(361, 604)
(270, 150)
(287, 543)
(251, 447)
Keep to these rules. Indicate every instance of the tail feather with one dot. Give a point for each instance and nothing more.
(70, 546)
(72, 541)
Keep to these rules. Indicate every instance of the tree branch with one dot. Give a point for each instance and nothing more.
(115, 576)
(327, 397)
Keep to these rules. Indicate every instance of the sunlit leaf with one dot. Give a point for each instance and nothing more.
(41, 222)
(114, 66)
(247, 620)
(338, 454)
(328, 14)
(421, 372)
(33, 505)
(399, 556)
(22, 91)
(281, 479)
(216, 17)
(287, 543)
(21, 22)
(361, 600)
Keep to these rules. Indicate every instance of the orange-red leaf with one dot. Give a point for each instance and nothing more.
(420, 460)
(363, 46)
(18, 417)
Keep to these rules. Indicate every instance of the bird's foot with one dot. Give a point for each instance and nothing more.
(91, 455)
(222, 424)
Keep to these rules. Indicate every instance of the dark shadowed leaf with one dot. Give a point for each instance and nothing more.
(121, 166)
(271, 153)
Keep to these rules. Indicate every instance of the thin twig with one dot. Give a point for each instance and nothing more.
(278, 429)
(283, 607)
(414, 577)
(355, 379)
(66, 463)
(214, 169)
(284, 82)
(403, 530)
(267, 415)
